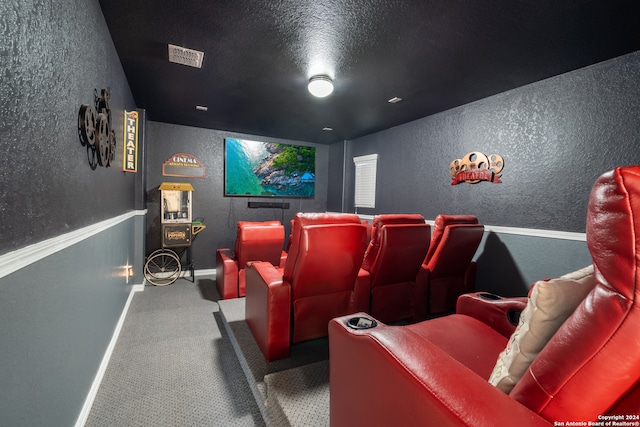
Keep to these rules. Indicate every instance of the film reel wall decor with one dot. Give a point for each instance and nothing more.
(95, 130)
(475, 167)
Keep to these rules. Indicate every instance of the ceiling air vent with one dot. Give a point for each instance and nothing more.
(189, 57)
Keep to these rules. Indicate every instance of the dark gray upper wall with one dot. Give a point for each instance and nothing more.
(54, 54)
(336, 170)
(556, 137)
(220, 213)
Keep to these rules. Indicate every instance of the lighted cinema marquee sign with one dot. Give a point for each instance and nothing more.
(184, 165)
(476, 167)
(130, 159)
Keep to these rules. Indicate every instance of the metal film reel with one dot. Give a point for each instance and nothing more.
(454, 167)
(87, 125)
(92, 157)
(474, 160)
(102, 140)
(496, 163)
(112, 147)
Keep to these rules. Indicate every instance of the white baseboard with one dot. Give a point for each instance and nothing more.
(93, 391)
(206, 272)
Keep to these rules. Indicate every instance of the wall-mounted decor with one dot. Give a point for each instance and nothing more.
(130, 146)
(475, 167)
(268, 169)
(185, 165)
(95, 130)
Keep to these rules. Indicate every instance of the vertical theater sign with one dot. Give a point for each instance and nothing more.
(130, 159)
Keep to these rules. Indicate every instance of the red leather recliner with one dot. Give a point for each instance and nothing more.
(399, 243)
(255, 241)
(436, 372)
(318, 282)
(448, 270)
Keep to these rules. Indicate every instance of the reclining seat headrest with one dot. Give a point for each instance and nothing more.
(380, 221)
(439, 225)
(592, 361)
(245, 224)
(302, 219)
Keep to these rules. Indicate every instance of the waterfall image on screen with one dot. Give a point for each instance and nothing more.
(268, 169)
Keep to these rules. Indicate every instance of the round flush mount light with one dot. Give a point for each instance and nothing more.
(320, 86)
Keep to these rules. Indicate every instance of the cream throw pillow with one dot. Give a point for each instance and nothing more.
(550, 304)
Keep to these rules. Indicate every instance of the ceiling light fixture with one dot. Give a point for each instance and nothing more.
(201, 108)
(394, 100)
(320, 86)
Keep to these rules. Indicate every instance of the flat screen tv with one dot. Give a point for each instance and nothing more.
(268, 169)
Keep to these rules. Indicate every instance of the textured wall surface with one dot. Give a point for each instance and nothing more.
(220, 213)
(52, 57)
(556, 137)
(58, 314)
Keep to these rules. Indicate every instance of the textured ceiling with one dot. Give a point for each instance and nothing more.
(435, 55)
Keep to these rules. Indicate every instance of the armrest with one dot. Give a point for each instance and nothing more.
(361, 291)
(388, 375)
(226, 274)
(268, 309)
(502, 314)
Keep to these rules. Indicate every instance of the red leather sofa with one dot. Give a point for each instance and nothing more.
(255, 241)
(448, 269)
(437, 372)
(399, 243)
(319, 281)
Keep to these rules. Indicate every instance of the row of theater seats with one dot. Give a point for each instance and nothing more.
(336, 264)
(572, 358)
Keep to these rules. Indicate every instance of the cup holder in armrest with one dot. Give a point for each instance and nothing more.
(361, 323)
(488, 296)
(513, 316)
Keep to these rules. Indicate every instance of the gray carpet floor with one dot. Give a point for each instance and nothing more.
(174, 365)
(290, 392)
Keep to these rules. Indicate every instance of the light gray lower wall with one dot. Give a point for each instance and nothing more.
(507, 264)
(58, 316)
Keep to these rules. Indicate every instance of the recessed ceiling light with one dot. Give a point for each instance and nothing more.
(320, 86)
(201, 108)
(394, 100)
(327, 128)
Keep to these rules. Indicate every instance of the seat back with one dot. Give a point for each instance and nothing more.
(450, 270)
(259, 241)
(375, 233)
(304, 219)
(591, 365)
(402, 247)
(321, 268)
(440, 224)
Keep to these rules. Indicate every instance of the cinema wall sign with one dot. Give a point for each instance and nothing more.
(184, 165)
(475, 167)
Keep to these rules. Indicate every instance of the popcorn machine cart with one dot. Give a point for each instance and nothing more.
(164, 265)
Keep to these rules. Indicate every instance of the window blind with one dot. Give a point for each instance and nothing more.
(365, 191)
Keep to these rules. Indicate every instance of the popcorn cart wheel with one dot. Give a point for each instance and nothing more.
(164, 266)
